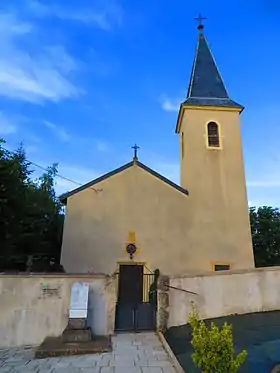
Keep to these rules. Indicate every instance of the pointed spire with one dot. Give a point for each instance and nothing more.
(206, 86)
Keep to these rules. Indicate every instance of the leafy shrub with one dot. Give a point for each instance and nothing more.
(213, 347)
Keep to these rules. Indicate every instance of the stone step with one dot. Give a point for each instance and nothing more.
(76, 324)
(75, 335)
(53, 346)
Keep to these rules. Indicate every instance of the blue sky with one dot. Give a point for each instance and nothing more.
(82, 80)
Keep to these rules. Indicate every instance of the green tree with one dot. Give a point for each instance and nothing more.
(31, 218)
(265, 227)
(213, 348)
(14, 176)
(153, 288)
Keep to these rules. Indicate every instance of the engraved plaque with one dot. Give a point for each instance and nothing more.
(79, 300)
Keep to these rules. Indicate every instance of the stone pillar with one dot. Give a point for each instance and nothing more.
(111, 296)
(162, 303)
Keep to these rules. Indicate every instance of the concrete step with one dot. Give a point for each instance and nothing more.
(75, 335)
(53, 346)
(76, 324)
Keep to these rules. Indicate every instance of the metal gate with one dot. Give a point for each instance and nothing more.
(137, 299)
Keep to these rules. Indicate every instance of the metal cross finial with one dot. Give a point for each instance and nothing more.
(135, 147)
(199, 19)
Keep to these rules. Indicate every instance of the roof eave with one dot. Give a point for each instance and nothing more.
(234, 107)
(163, 178)
(202, 102)
(63, 198)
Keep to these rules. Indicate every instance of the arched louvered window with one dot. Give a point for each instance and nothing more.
(213, 135)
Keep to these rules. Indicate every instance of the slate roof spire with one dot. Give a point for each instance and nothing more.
(206, 86)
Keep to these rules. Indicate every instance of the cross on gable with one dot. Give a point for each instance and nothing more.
(135, 148)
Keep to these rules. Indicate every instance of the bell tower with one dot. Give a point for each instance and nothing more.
(212, 168)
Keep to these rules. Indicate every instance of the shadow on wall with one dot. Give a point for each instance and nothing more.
(258, 333)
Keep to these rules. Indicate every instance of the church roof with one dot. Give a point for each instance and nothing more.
(63, 197)
(206, 86)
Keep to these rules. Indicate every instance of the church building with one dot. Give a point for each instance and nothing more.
(135, 216)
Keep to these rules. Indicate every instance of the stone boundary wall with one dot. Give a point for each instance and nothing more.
(219, 294)
(34, 306)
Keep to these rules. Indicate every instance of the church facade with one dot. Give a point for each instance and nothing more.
(133, 215)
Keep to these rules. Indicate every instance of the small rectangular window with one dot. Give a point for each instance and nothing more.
(222, 267)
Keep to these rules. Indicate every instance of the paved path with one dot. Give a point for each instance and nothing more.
(132, 353)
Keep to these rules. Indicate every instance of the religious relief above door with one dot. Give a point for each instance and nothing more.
(131, 248)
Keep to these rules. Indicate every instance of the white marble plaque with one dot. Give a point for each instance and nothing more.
(79, 300)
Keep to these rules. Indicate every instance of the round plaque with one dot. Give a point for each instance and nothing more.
(131, 249)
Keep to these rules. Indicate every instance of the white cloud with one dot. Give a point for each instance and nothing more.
(268, 175)
(103, 14)
(11, 26)
(102, 146)
(168, 104)
(7, 126)
(28, 79)
(58, 131)
(254, 203)
(34, 75)
(263, 176)
(264, 183)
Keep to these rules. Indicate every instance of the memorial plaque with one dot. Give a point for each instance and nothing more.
(48, 291)
(79, 300)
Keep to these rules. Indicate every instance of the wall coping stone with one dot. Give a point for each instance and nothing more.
(226, 273)
(52, 275)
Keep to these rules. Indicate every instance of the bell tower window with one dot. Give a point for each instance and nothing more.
(213, 136)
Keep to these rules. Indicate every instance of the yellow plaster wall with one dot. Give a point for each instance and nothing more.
(174, 232)
(97, 225)
(216, 182)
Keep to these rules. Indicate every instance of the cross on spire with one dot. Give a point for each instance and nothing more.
(135, 148)
(200, 19)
